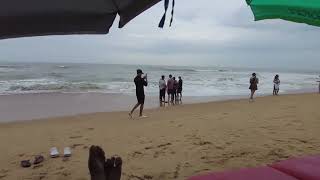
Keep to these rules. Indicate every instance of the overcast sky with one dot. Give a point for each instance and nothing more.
(204, 32)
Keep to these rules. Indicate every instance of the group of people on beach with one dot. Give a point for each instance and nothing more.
(254, 81)
(173, 88)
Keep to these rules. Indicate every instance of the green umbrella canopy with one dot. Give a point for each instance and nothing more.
(301, 11)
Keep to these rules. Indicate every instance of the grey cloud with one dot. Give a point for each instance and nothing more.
(204, 32)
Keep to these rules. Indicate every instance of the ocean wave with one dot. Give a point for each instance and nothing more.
(64, 67)
(177, 69)
(55, 87)
(225, 79)
(56, 75)
(8, 66)
(211, 70)
(119, 79)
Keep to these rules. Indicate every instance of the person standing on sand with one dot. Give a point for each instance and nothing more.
(170, 84)
(254, 81)
(162, 89)
(175, 88)
(140, 82)
(276, 85)
(179, 92)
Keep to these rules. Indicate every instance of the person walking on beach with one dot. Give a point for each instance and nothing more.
(170, 84)
(254, 81)
(175, 88)
(276, 85)
(162, 89)
(179, 92)
(140, 82)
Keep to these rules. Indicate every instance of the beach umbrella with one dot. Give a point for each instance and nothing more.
(21, 18)
(301, 11)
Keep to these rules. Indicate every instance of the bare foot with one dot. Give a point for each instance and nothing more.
(130, 115)
(116, 169)
(96, 163)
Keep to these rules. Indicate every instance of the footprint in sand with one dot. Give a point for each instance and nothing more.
(3, 173)
(136, 154)
(299, 140)
(277, 153)
(202, 143)
(177, 171)
(75, 137)
(179, 125)
(76, 145)
(229, 143)
(187, 165)
(147, 177)
(156, 154)
(60, 168)
(135, 177)
(37, 166)
(149, 147)
(63, 173)
(164, 145)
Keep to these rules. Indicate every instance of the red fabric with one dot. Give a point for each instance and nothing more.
(307, 168)
(260, 173)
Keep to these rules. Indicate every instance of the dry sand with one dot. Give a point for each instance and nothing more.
(173, 143)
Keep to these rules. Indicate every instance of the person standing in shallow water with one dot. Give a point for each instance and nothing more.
(175, 88)
(276, 85)
(254, 81)
(170, 84)
(179, 92)
(162, 89)
(140, 82)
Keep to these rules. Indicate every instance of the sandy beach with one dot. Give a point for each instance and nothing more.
(173, 143)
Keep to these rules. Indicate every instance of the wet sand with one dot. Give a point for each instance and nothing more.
(21, 107)
(173, 143)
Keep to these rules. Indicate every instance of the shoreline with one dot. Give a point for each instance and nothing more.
(28, 107)
(173, 143)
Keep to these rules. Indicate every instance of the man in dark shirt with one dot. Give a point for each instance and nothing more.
(140, 82)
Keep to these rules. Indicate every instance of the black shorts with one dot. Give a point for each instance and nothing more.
(162, 93)
(253, 87)
(140, 98)
(170, 91)
(179, 91)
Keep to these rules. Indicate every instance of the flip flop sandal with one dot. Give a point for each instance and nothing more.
(54, 152)
(25, 163)
(67, 152)
(38, 159)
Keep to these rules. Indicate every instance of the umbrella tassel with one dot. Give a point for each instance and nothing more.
(172, 12)
(163, 19)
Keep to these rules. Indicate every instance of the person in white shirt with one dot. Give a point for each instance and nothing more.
(276, 85)
(162, 89)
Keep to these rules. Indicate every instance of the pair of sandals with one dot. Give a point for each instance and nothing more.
(37, 160)
(54, 153)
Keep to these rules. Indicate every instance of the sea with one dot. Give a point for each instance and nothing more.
(33, 78)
